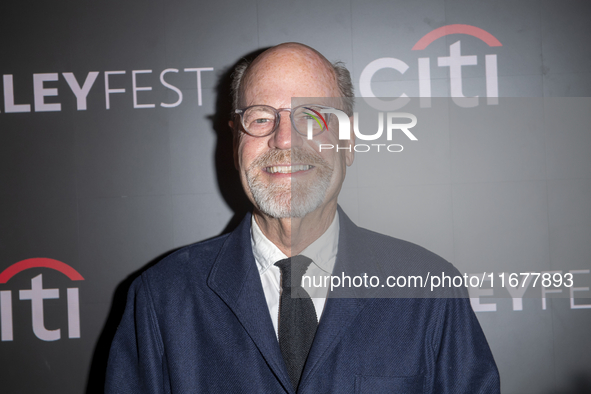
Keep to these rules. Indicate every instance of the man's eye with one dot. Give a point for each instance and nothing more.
(261, 120)
(302, 117)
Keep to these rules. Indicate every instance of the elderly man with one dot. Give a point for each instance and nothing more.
(223, 316)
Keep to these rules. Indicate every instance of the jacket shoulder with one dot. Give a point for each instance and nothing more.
(390, 258)
(402, 250)
(192, 261)
(389, 252)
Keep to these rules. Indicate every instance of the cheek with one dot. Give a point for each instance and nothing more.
(249, 150)
(327, 138)
(243, 157)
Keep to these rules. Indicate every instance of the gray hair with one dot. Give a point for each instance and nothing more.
(342, 75)
(237, 77)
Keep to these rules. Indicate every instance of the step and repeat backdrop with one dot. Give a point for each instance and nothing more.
(115, 151)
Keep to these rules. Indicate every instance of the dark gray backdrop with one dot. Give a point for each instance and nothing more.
(110, 191)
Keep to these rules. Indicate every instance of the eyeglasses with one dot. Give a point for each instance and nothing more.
(263, 120)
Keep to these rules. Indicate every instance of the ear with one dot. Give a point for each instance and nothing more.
(234, 144)
(350, 156)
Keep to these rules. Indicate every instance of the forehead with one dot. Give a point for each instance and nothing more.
(276, 77)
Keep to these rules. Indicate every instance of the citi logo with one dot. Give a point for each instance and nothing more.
(37, 294)
(455, 61)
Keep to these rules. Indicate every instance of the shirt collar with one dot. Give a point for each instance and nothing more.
(322, 252)
(265, 252)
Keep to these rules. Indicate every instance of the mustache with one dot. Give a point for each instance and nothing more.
(287, 157)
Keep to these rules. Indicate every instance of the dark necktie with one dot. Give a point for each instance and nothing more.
(297, 316)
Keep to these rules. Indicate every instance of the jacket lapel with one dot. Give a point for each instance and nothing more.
(339, 313)
(235, 278)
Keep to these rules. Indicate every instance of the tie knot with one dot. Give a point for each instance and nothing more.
(292, 270)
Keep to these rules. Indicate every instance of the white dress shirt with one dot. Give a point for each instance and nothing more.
(322, 252)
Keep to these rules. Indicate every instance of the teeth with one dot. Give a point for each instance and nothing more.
(288, 169)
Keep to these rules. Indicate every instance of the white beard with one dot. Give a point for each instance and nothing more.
(291, 198)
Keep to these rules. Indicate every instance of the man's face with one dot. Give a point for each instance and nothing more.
(284, 174)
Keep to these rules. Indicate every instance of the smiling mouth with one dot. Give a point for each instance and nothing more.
(288, 169)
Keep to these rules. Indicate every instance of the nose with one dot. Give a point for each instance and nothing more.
(284, 137)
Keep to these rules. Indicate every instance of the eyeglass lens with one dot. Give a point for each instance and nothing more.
(260, 120)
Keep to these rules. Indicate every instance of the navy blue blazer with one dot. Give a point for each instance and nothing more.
(198, 322)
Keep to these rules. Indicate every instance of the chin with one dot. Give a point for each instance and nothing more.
(280, 202)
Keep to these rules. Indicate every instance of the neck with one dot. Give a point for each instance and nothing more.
(293, 235)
